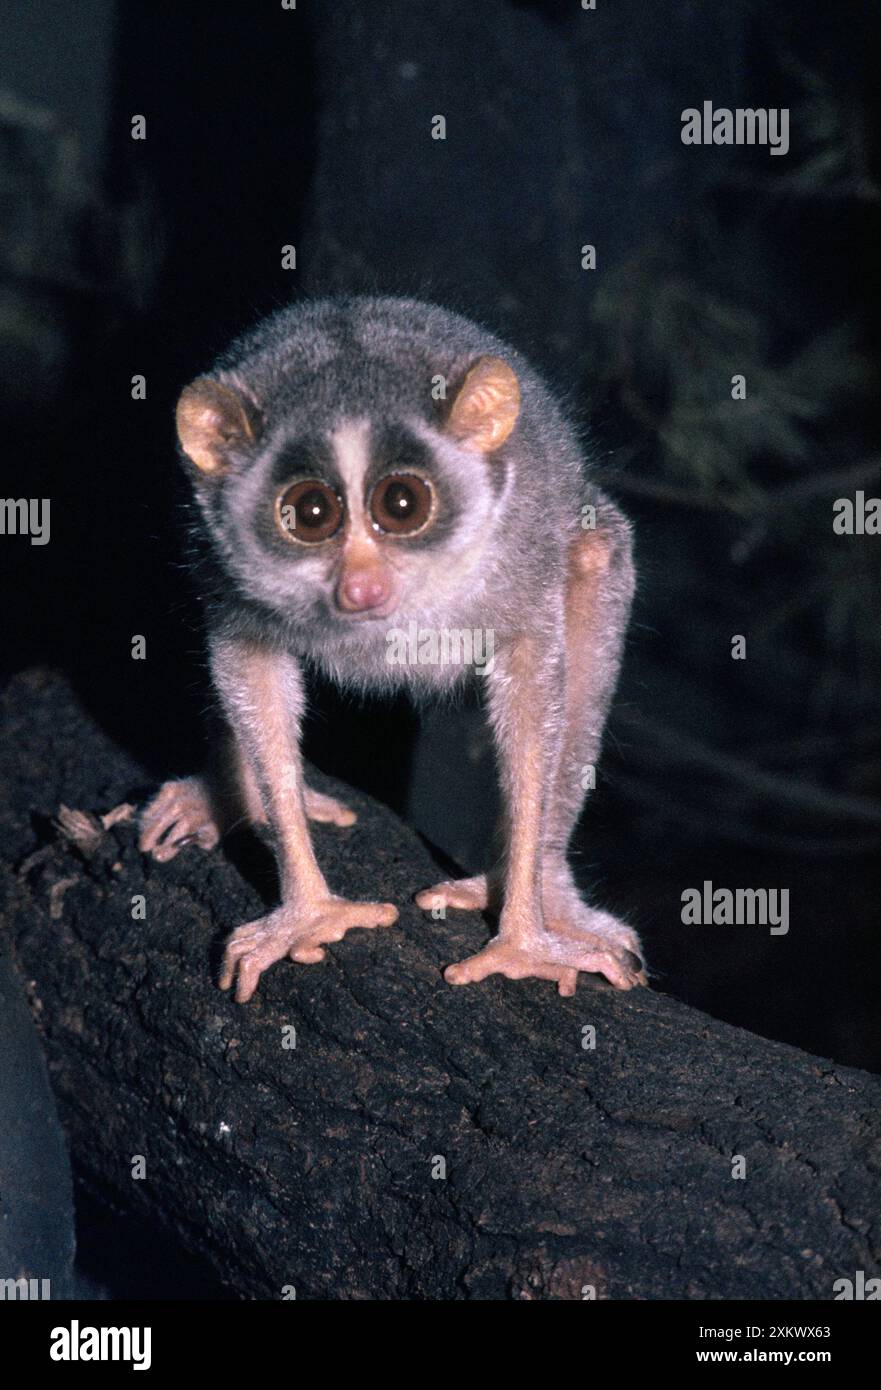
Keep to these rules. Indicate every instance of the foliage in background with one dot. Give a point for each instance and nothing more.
(63, 243)
(713, 299)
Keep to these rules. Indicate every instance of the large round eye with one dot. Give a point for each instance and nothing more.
(401, 503)
(309, 512)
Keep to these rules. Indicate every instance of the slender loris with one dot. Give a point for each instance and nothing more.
(359, 466)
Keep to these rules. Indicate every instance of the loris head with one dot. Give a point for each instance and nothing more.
(339, 487)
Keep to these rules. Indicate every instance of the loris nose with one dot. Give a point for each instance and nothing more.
(360, 590)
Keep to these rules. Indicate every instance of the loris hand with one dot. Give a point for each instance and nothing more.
(299, 932)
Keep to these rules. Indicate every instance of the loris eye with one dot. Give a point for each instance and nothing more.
(401, 503)
(309, 512)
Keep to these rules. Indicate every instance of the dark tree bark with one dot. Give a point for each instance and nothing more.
(313, 1166)
(36, 1193)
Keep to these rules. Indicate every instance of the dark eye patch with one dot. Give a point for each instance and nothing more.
(393, 449)
(310, 457)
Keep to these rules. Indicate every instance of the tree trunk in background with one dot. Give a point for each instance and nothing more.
(540, 122)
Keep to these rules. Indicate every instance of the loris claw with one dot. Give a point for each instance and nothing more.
(367, 468)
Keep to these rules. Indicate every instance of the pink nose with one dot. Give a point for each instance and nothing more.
(361, 590)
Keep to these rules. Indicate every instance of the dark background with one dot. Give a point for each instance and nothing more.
(267, 127)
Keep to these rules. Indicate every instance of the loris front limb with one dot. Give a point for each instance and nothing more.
(262, 695)
(549, 706)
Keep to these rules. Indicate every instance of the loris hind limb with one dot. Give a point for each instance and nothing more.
(548, 929)
(201, 810)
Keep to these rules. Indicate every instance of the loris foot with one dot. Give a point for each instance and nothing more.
(557, 951)
(184, 812)
(181, 813)
(573, 933)
(299, 933)
(327, 809)
(471, 894)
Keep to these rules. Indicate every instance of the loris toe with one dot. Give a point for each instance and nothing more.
(179, 814)
(327, 809)
(468, 894)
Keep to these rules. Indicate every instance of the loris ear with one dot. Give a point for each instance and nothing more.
(212, 420)
(486, 406)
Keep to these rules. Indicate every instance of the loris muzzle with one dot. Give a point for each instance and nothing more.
(368, 468)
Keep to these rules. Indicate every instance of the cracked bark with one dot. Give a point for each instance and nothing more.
(312, 1166)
